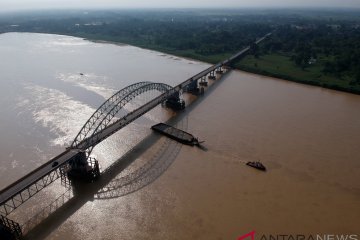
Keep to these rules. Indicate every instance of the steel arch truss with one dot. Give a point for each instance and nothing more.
(102, 112)
(102, 118)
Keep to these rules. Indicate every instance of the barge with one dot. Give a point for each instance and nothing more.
(176, 134)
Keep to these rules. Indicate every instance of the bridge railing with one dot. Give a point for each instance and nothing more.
(23, 195)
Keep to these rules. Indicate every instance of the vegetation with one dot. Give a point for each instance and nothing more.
(208, 36)
(322, 54)
(310, 46)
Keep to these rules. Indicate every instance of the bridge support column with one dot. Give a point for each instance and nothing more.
(203, 81)
(219, 70)
(175, 102)
(193, 87)
(212, 75)
(9, 229)
(83, 168)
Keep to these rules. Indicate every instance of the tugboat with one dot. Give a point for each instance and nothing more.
(257, 165)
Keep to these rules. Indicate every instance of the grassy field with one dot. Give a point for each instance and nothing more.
(281, 66)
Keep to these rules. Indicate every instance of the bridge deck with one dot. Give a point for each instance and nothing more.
(25, 182)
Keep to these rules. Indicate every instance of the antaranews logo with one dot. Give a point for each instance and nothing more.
(300, 236)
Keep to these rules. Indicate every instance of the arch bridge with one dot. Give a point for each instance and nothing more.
(75, 161)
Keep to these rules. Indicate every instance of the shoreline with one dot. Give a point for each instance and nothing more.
(106, 42)
(291, 79)
(245, 69)
(141, 47)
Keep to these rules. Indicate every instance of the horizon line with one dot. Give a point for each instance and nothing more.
(108, 8)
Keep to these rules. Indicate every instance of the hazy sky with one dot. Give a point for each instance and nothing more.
(6, 5)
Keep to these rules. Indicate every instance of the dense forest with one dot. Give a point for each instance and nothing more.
(319, 47)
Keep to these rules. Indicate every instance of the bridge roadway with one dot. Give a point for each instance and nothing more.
(25, 182)
(34, 176)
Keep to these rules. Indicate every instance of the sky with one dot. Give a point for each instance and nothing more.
(11, 5)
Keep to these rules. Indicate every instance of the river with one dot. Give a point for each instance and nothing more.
(154, 188)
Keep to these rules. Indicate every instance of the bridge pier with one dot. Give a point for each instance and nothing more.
(9, 229)
(220, 70)
(212, 75)
(175, 102)
(203, 81)
(83, 168)
(193, 87)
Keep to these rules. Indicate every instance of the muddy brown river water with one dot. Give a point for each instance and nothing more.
(155, 188)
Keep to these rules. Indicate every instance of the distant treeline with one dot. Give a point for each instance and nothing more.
(211, 35)
(204, 33)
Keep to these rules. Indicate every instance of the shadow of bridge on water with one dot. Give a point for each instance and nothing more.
(111, 186)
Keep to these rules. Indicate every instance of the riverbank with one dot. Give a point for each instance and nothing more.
(188, 54)
(280, 66)
(269, 65)
(272, 65)
(329, 39)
